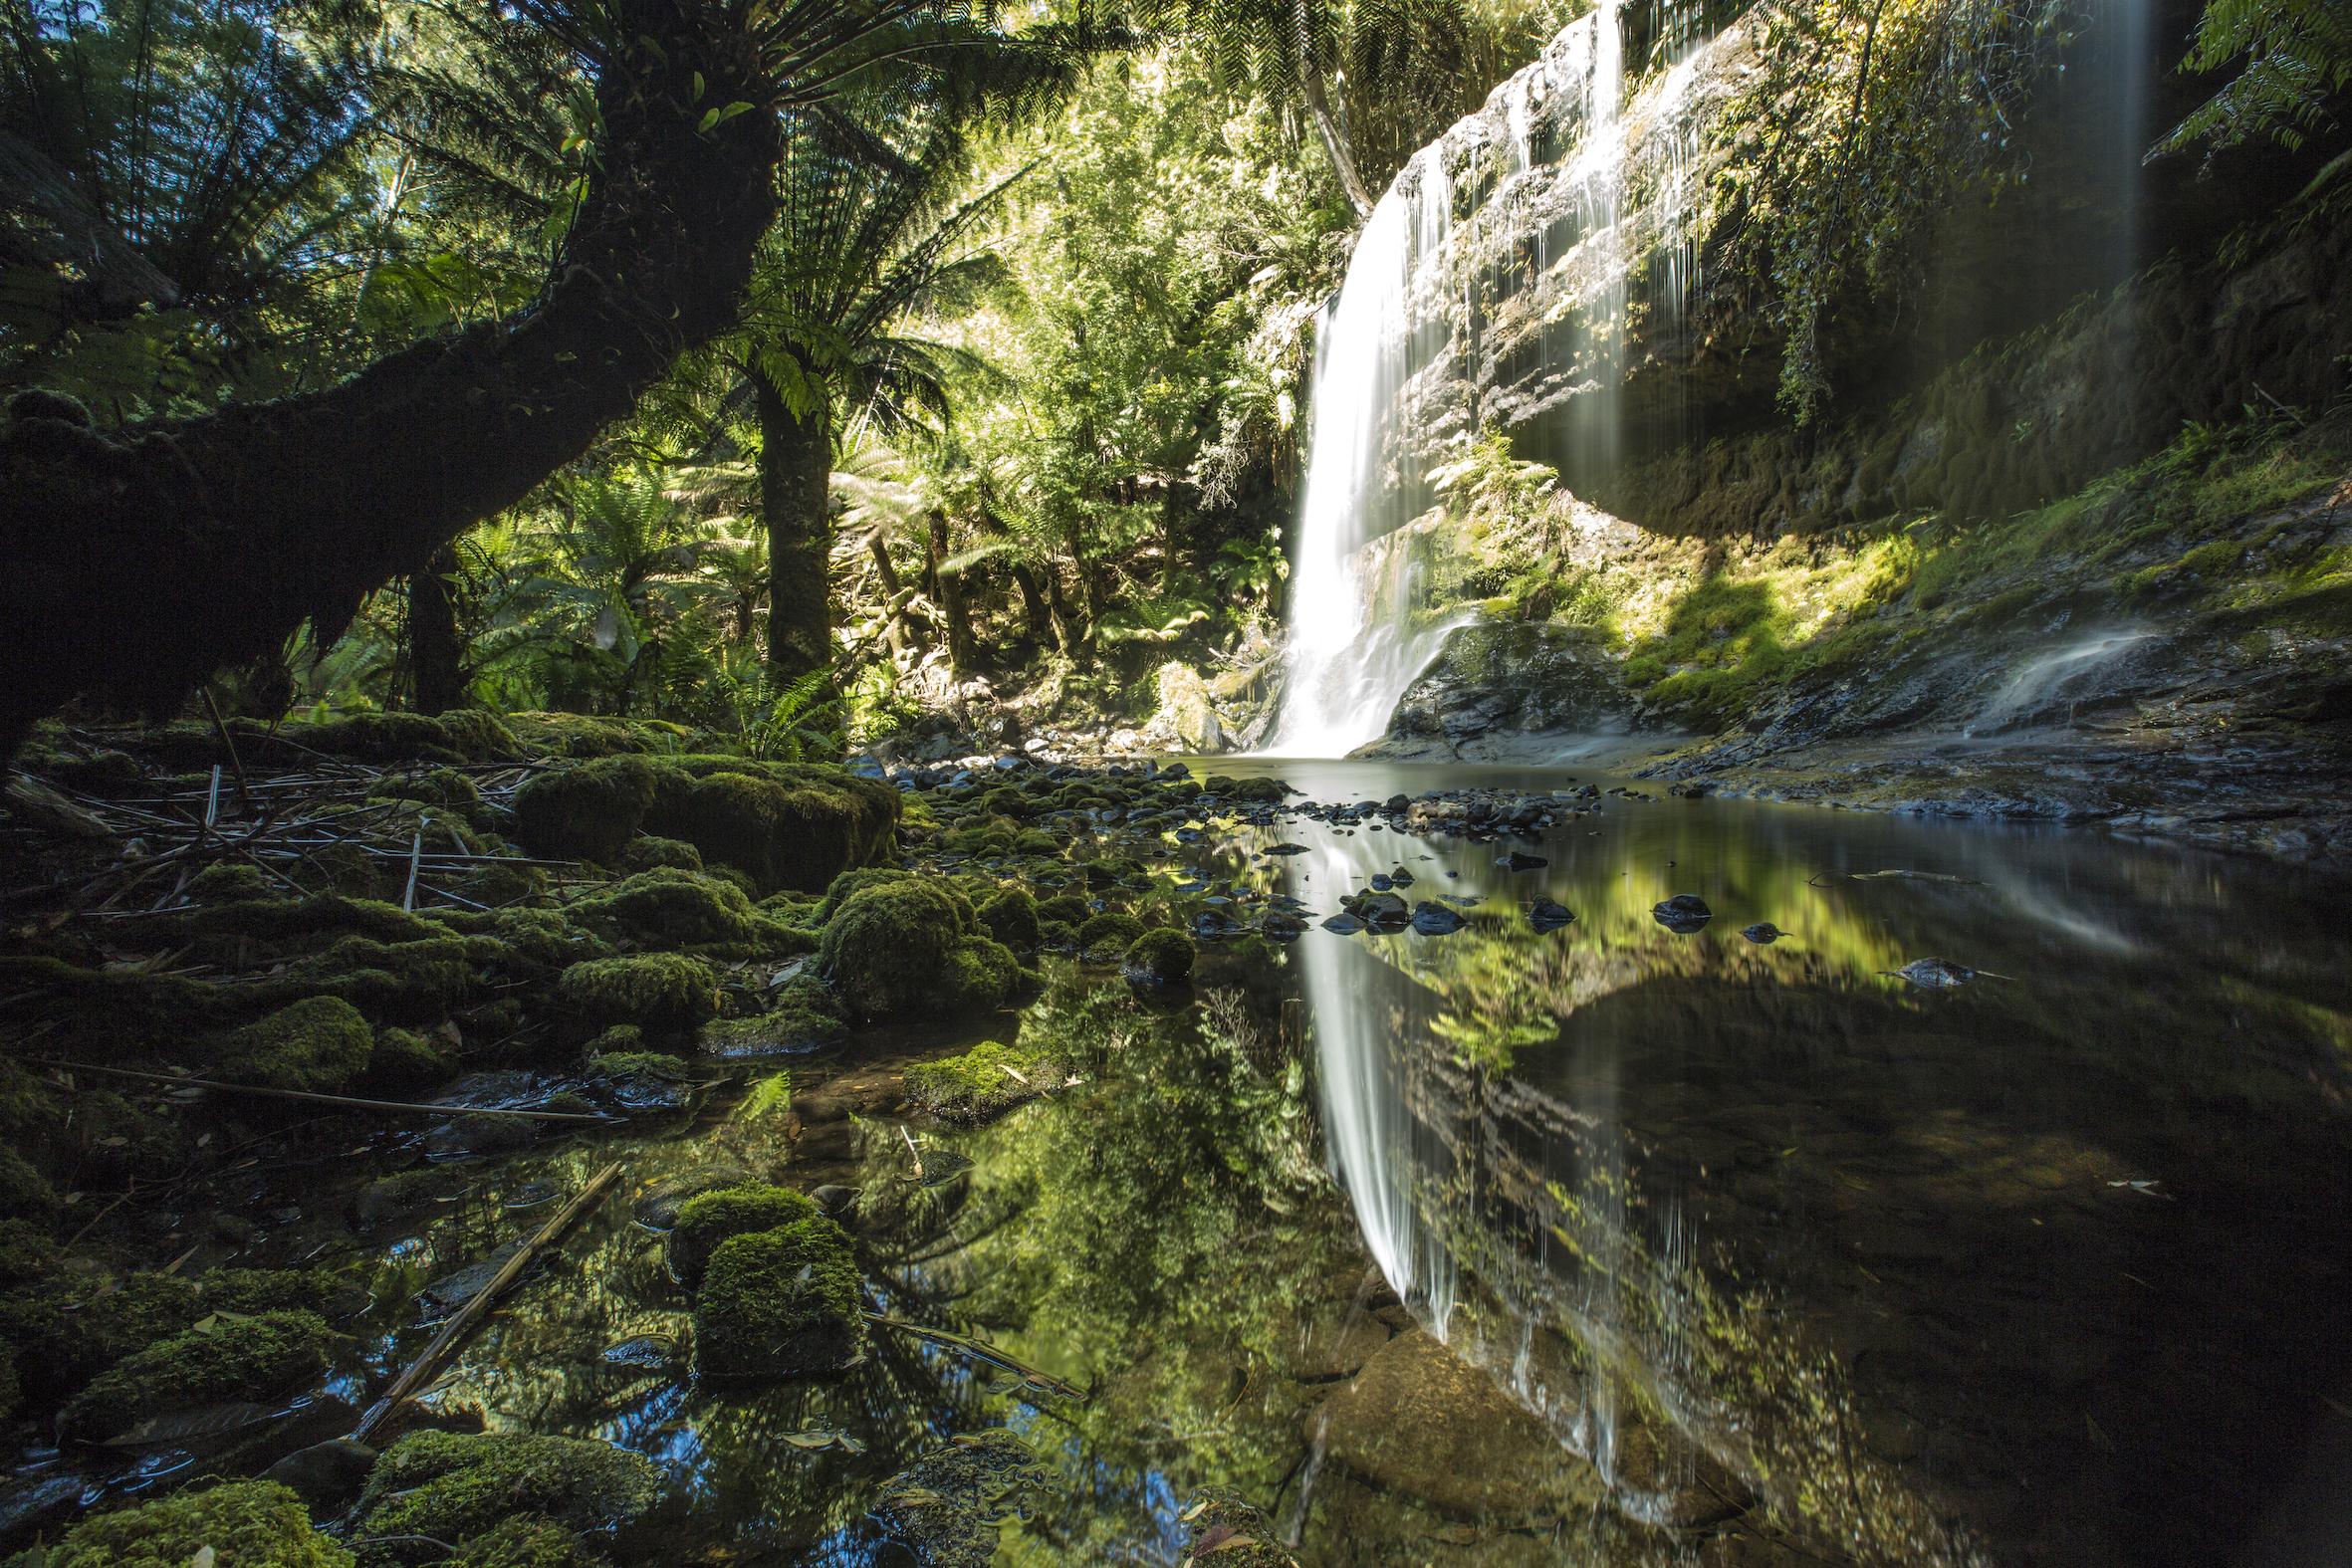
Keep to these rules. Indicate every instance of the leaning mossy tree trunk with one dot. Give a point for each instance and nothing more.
(796, 498)
(134, 563)
(948, 583)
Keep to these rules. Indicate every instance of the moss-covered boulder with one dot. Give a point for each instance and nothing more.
(223, 1358)
(317, 1046)
(713, 1218)
(589, 811)
(233, 882)
(675, 907)
(785, 825)
(780, 1304)
(1159, 957)
(25, 1193)
(986, 1081)
(908, 946)
(246, 1524)
(1108, 935)
(26, 1252)
(666, 992)
(1012, 918)
(65, 1340)
(523, 1543)
(451, 1486)
(646, 853)
(849, 884)
(791, 1030)
(1068, 908)
(405, 1059)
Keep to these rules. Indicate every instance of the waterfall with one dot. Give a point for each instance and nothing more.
(1359, 634)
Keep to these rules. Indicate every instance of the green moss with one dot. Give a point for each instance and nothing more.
(1035, 841)
(786, 1031)
(591, 811)
(1012, 918)
(523, 1543)
(888, 947)
(25, 1193)
(2195, 570)
(807, 991)
(246, 1524)
(655, 990)
(543, 938)
(673, 906)
(1109, 935)
(233, 1358)
(987, 1080)
(710, 1218)
(1161, 955)
(851, 883)
(316, 1046)
(1069, 908)
(779, 1303)
(26, 1252)
(786, 825)
(407, 1060)
(451, 1486)
(232, 882)
(1056, 936)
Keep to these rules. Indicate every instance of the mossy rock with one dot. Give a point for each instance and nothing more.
(1057, 935)
(442, 786)
(986, 1081)
(1068, 908)
(646, 853)
(790, 1029)
(662, 991)
(981, 973)
(231, 1358)
(1012, 918)
(233, 882)
(246, 1524)
(591, 811)
(408, 1059)
(104, 771)
(67, 1342)
(1109, 935)
(1160, 956)
(1036, 842)
(1266, 792)
(787, 826)
(315, 1047)
(25, 1193)
(26, 1252)
(675, 906)
(710, 1218)
(451, 1486)
(577, 735)
(889, 950)
(849, 884)
(543, 938)
(780, 1304)
(523, 1543)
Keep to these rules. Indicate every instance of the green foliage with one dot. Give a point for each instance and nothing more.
(244, 1525)
(2296, 63)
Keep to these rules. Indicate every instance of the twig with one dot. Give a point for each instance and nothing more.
(244, 800)
(912, 1150)
(460, 1329)
(316, 1099)
(982, 1350)
(95, 1218)
(415, 854)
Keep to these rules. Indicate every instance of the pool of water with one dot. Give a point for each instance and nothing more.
(1608, 1244)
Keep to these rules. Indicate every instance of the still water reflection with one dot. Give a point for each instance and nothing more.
(1761, 1254)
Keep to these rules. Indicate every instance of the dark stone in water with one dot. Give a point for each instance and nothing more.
(1763, 932)
(451, 1291)
(531, 1195)
(1548, 916)
(657, 1208)
(833, 1202)
(1346, 925)
(1380, 910)
(35, 1504)
(648, 1351)
(1288, 849)
(1515, 861)
(1435, 920)
(941, 1165)
(1397, 804)
(1400, 877)
(482, 1135)
(1681, 914)
(327, 1477)
(1381, 884)
(1936, 974)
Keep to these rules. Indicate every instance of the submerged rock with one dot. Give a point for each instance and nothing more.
(946, 1508)
(1681, 914)
(1938, 974)
(1159, 957)
(327, 1476)
(1544, 915)
(235, 1358)
(658, 1205)
(447, 1486)
(1515, 861)
(1763, 933)
(1436, 920)
(780, 1304)
(1344, 925)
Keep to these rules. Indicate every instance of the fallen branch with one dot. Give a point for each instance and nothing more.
(316, 1099)
(980, 1350)
(460, 1329)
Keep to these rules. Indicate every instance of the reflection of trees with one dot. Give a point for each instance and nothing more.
(1763, 1200)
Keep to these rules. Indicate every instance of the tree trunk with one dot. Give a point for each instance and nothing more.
(436, 655)
(1069, 627)
(882, 567)
(1036, 617)
(796, 498)
(962, 654)
(134, 562)
(1328, 126)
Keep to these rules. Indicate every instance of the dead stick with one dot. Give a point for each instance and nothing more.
(244, 800)
(415, 853)
(316, 1099)
(980, 1349)
(460, 1329)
